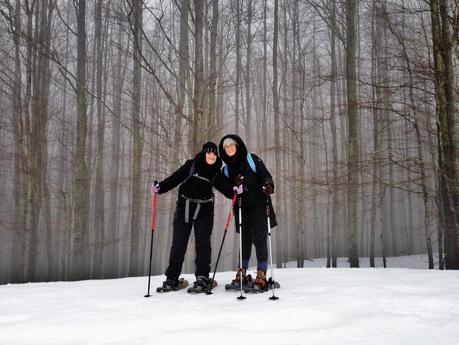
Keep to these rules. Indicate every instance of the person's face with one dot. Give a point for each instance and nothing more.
(211, 158)
(230, 149)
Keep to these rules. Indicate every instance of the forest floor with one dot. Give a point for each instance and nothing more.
(316, 306)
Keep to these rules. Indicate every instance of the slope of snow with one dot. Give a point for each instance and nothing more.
(316, 306)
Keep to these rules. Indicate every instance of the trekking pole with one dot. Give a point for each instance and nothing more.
(153, 219)
(240, 245)
(228, 219)
(268, 213)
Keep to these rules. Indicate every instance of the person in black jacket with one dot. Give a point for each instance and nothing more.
(248, 170)
(195, 207)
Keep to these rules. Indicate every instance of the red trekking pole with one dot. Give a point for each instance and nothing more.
(153, 221)
(228, 219)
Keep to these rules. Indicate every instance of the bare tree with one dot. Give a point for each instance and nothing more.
(353, 140)
(333, 84)
(80, 269)
(248, 97)
(448, 152)
(212, 125)
(99, 209)
(113, 234)
(135, 263)
(198, 97)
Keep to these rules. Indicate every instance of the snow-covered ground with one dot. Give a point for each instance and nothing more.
(316, 306)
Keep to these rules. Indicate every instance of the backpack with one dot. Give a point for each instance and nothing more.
(249, 160)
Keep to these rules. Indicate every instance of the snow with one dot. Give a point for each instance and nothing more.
(316, 306)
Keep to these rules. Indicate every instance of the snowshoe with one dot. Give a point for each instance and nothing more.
(201, 285)
(236, 285)
(173, 285)
(253, 287)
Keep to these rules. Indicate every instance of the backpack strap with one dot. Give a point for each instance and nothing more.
(251, 163)
(191, 174)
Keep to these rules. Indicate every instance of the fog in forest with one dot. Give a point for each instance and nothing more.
(351, 104)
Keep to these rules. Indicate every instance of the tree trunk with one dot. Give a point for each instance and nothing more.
(238, 65)
(46, 271)
(99, 209)
(264, 120)
(374, 77)
(212, 125)
(335, 182)
(353, 142)
(18, 181)
(80, 267)
(119, 70)
(198, 96)
(135, 264)
(447, 150)
(248, 97)
(276, 115)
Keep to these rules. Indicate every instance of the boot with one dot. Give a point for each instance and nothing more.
(238, 276)
(201, 282)
(260, 281)
(170, 284)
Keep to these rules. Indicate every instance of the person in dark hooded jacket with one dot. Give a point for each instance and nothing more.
(195, 207)
(248, 170)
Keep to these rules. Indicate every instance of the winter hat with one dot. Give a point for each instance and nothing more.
(209, 147)
(229, 141)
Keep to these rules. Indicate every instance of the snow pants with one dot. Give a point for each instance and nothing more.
(203, 225)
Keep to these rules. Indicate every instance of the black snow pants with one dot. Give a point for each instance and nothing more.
(183, 222)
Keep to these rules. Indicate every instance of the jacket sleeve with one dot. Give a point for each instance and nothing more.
(176, 178)
(224, 185)
(262, 171)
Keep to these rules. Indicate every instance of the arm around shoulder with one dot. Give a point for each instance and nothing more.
(223, 185)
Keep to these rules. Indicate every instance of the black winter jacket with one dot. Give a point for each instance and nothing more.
(193, 186)
(253, 196)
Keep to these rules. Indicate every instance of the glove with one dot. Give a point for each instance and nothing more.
(239, 179)
(268, 188)
(238, 189)
(155, 188)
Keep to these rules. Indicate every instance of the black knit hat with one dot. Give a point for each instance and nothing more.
(209, 147)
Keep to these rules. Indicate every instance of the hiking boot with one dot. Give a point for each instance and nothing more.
(202, 282)
(260, 281)
(238, 276)
(171, 284)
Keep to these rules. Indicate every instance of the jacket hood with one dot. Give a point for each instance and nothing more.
(202, 168)
(241, 150)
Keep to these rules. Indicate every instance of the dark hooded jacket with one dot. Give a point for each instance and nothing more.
(253, 196)
(193, 186)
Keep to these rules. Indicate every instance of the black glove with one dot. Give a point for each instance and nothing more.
(238, 180)
(268, 188)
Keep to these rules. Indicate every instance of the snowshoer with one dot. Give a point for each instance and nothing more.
(248, 170)
(194, 208)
